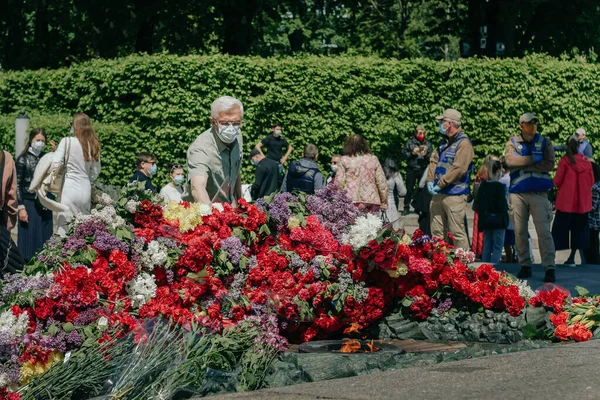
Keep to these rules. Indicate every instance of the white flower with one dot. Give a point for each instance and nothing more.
(205, 209)
(4, 380)
(102, 322)
(131, 206)
(141, 289)
(12, 325)
(525, 291)
(218, 206)
(365, 229)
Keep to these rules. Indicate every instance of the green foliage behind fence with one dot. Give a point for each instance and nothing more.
(160, 103)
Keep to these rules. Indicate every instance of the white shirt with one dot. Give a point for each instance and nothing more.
(171, 192)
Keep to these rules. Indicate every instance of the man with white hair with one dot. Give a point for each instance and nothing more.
(448, 180)
(585, 147)
(214, 159)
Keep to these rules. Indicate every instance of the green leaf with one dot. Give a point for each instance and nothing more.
(68, 327)
(407, 302)
(581, 291)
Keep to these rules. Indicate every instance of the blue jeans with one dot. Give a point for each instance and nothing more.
(493, 241)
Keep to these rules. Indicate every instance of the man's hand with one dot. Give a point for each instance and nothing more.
(416, 151)
(433, 189)
(23, 216)
(282, 160)
(53, 145)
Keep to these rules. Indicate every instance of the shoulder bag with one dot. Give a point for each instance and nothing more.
(57, 176)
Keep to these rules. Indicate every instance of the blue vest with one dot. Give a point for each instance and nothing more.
(446, 159)
(524, 182)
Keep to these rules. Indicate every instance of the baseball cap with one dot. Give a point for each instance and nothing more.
(527, 117)
(253, 153)
(580, 131)
(451, 114)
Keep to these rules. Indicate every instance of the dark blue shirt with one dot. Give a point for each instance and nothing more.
(140, 177)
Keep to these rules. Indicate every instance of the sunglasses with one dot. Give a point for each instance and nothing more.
(176, 166)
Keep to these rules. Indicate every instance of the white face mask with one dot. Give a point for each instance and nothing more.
(38, 146)
(277, 132)
(334, 168)
(228, 133)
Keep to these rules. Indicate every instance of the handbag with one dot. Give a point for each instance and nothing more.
(56, 180)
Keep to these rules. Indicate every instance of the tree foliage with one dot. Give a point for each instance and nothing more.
(48, 34)
(161, 103)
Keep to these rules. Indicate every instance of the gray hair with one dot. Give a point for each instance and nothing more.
(455, 123)
(225, 103)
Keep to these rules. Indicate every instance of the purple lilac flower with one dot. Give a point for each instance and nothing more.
(86, 317)
(89, 229)
(54, 342)
(269, 331)
(11, 370)
(170, 276)
(444, 306)
(334, 209)
(16, 283)
(73, 244)
(73, 339)
(104, 241)
(279, 209)
(234, 248)
(168, 242)
(296, 262)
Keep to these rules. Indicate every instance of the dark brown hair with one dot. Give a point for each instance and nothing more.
(32, 134)
(355, 145)
(144, 157)
(572, 148)
(90, 144)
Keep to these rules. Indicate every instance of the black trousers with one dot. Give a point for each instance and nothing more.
(592, 253)
(413, 176)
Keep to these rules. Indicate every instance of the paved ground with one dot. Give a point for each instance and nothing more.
(561, 372)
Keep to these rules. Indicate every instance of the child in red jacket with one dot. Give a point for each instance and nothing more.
(574, 180)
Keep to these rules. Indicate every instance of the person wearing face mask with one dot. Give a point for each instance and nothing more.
(146, 169)
(529, 157)
(35, 221)
(585, 148)
(335, 160)
(174, 190)
(267, 175)
(275, 144)
(416, 152)
(214, 159)
(448, 180)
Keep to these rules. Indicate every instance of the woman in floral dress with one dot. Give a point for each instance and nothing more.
(361, 174)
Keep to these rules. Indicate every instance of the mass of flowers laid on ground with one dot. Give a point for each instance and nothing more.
(313, 262)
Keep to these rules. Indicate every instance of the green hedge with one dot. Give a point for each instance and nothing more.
(160, 103)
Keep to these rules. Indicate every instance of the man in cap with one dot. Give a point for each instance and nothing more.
(267, 175)
(530, 158)
(448, 180)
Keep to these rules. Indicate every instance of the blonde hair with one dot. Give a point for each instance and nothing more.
(82, 127)
(494, 167)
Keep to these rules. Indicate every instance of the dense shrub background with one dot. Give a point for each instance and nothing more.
(161, 103)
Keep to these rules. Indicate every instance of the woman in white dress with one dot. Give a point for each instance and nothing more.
(394, 183)
(83, 168)
(174, 190)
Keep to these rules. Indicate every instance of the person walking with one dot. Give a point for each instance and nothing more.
(529, 157)
(304, 175)
(492, 207)
(574, 179)
(395, 184)
(592, 254)
(266, 181)
(81, 156)
(146, 169)
(174, 190)
(35, 221)
(448, 180)
(214, 159)
(416, 152)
